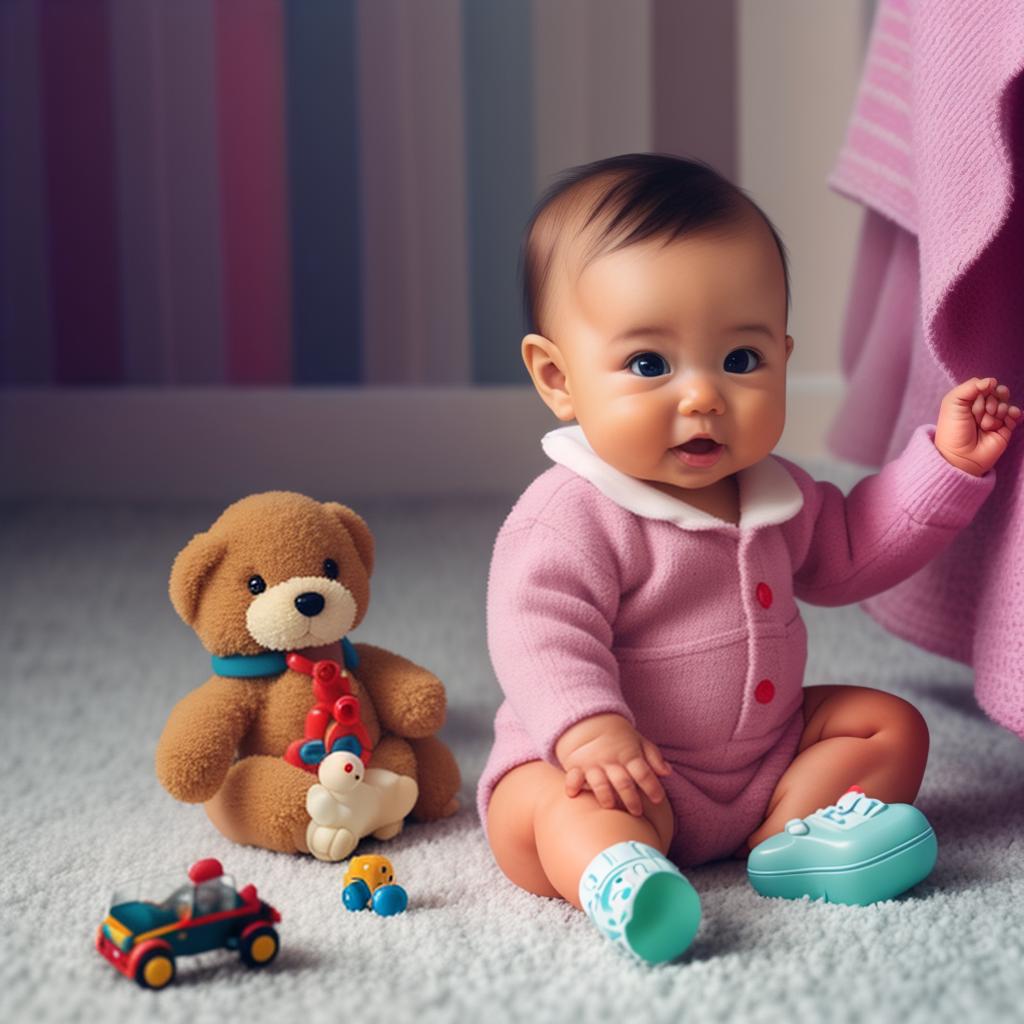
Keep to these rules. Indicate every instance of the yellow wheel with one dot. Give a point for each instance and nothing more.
(259, 947)
(155, 970)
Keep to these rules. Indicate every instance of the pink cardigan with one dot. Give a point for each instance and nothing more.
(607, 595)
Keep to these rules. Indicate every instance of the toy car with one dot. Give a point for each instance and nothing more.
(370, 882)
(142, 938)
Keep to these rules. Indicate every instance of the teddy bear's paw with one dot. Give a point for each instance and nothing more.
(389, 831)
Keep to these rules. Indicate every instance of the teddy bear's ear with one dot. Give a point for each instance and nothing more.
(357, 530)
(190, 572)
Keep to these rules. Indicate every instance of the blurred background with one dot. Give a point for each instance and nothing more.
(259, 243)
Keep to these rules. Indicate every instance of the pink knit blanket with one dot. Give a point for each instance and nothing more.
(935, 152)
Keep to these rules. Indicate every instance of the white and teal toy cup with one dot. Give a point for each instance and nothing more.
(640, 901)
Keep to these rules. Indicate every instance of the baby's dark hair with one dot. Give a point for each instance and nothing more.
(628, 199)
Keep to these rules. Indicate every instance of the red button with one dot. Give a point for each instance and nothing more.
(764, 691)
(764, 595)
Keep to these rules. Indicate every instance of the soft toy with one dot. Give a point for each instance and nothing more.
(279, 575)
(350, 802)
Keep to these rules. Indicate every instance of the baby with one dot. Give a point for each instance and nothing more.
(641, 602)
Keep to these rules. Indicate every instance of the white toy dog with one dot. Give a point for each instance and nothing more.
(352, 801)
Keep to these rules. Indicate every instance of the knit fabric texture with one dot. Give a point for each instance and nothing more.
(933, 152)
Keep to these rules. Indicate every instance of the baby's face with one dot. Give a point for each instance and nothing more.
(675, 355)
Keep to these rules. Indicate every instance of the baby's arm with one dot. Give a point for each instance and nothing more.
(892, 524)
(552, 598)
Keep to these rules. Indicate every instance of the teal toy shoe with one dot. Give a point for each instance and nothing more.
(859, 850)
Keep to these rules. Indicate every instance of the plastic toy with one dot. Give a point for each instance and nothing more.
(858, 850)
(629, 888)
(351, 801)
(333, 723)
(272, 589)
(144, 938)
(370, 882)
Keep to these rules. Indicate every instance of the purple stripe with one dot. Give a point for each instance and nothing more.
(78, 119)
(25, 328)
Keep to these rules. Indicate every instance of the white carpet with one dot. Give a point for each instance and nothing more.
(94, 658)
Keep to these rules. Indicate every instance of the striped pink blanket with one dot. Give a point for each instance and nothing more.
(935, 152)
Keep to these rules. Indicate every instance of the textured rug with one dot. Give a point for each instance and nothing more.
(94, 658)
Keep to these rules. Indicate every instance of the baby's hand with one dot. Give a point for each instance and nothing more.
(975, 424)
(608, 756)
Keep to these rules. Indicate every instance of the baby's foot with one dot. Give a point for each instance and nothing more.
(639, 900)
(859, 850)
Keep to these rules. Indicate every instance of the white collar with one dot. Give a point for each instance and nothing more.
(768, 493)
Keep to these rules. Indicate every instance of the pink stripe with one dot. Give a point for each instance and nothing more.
(865, 183)
(874, 148)
(189, 191)
(887, 117)
(894, 27)
(891, 53)
(78, 147)
(888, 81)
(250, 107)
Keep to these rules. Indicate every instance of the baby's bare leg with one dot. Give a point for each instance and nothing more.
(543, 839)
(852, 736)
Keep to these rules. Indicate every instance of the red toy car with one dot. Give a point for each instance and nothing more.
(142, 939)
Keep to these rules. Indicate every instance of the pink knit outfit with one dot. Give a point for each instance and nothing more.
(606, 595)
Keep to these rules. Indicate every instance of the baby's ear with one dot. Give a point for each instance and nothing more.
(357, 530)
(190, 572)
(546, 367)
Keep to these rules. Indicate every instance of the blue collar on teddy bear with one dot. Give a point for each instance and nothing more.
(271, 663)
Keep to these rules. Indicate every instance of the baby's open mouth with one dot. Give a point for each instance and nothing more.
(700, 446)
(698, 452)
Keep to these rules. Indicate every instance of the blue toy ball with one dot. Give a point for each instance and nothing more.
(389, 900)
(356, 895)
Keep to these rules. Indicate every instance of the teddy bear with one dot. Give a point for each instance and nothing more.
(351, 801)
(280, 580)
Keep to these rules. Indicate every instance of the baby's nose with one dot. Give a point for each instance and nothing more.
(700, 395)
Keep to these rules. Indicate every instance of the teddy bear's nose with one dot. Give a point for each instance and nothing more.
(310, 604)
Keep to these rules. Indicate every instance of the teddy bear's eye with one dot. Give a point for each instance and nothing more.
(257, 584)
(330, 568)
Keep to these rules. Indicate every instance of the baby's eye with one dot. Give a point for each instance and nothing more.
(741, 360)
(648, 364)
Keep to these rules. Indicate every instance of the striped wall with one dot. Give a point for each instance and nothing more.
(325, 192)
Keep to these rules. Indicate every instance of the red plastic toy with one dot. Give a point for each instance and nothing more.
(333, 722)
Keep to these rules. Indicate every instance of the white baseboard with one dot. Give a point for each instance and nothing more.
(219, 444)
